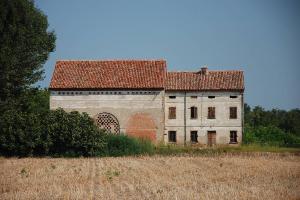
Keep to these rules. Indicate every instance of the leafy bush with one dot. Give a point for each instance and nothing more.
(56, 133)
(121, 145)
(269, 135)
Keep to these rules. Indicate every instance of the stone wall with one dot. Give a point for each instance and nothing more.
(140, 113)
(222, 124)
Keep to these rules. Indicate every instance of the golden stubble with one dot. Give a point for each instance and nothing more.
(269, 176)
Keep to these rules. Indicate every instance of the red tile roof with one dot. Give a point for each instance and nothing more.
(213, 80)
(125, 74)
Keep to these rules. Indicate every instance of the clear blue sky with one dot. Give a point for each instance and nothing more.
(261, 37)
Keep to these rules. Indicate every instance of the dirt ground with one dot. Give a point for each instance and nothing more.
(267, 176)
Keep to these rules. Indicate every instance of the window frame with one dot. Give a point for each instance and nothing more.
(232, 112)
(172, 97)
(211, 112)
(233, 137)
(172, 113)
(194, 112)
(192, 133)
(172, 136)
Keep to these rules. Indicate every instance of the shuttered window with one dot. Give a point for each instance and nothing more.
(211, 113)
(172, 112)
(194, 112)
(233, 113)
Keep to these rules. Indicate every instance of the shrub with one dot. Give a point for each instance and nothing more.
(121, 145)
(56, 133)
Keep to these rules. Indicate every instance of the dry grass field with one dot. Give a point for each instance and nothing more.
(268, 176)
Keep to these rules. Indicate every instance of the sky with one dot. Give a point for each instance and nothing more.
(260, 37)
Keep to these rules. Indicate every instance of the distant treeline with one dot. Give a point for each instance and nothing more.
(272, 127)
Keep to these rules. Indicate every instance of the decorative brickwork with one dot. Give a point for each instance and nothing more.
(108, 122)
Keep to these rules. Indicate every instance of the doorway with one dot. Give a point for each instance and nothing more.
(211, 138)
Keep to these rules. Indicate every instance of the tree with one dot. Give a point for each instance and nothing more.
(25, 45)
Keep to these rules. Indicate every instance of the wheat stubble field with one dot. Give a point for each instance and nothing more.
(171, 177)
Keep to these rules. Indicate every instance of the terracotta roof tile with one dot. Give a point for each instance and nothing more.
(213, 80)
(127, 74)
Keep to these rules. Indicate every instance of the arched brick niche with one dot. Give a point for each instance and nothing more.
(108, 122)
(141, 125)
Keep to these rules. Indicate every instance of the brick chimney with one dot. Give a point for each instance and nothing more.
(204, 70)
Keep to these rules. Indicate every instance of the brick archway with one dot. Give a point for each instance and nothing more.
(108, 122)
(141, 125)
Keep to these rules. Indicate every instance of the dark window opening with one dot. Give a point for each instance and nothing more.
(194, 113)
(172, 97)
(193, 97)
(233, 113)
(194, 136)
(211, 97)
(233, 97)
(211, 113)
(172, 136)
(233, 137)
(172, 112)
(80, 92)
(58, 92)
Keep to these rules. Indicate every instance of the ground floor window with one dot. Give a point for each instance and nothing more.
(194, 136)
(172, 136)
(233, 137)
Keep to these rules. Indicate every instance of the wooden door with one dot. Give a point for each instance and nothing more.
(211, 138)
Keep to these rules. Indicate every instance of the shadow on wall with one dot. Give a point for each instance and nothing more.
(141, 125)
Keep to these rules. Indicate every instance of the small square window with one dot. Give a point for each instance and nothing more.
(193, 97)
(80, 92)
(172, 97)
(211, 97)
(172, 136)
(63, 93)
(233, 97)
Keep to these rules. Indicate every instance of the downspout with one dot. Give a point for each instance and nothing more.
(184, 119)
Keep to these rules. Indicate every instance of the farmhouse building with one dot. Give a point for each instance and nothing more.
(141, 98)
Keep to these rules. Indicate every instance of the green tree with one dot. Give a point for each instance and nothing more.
(25, 44)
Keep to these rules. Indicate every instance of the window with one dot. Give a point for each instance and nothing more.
(172, 136)
(233, 113)
(58, 92)
(233, 97)
(233, 137)
(194, 136)
(211, 113)
(194, 113)
(172, 112)
(172, 97)
(193, 97)
(211, 97)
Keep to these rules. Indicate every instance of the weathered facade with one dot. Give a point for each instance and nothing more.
(140, 98)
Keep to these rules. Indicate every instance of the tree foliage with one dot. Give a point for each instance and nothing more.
(55, 133)
(25, 44)
(272, 127)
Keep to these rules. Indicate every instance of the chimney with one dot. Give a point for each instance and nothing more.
(204, 70)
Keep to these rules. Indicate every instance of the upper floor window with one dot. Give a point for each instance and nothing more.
(194, 112)
(233, 97)
(172, 136)
(233, 112)
(233, 137)
(211, 97)
(211, 113)
(193, 97)
(172, 112)
(172, 97)
(194, 136)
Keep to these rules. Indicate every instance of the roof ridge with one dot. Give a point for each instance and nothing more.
(111, 60)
